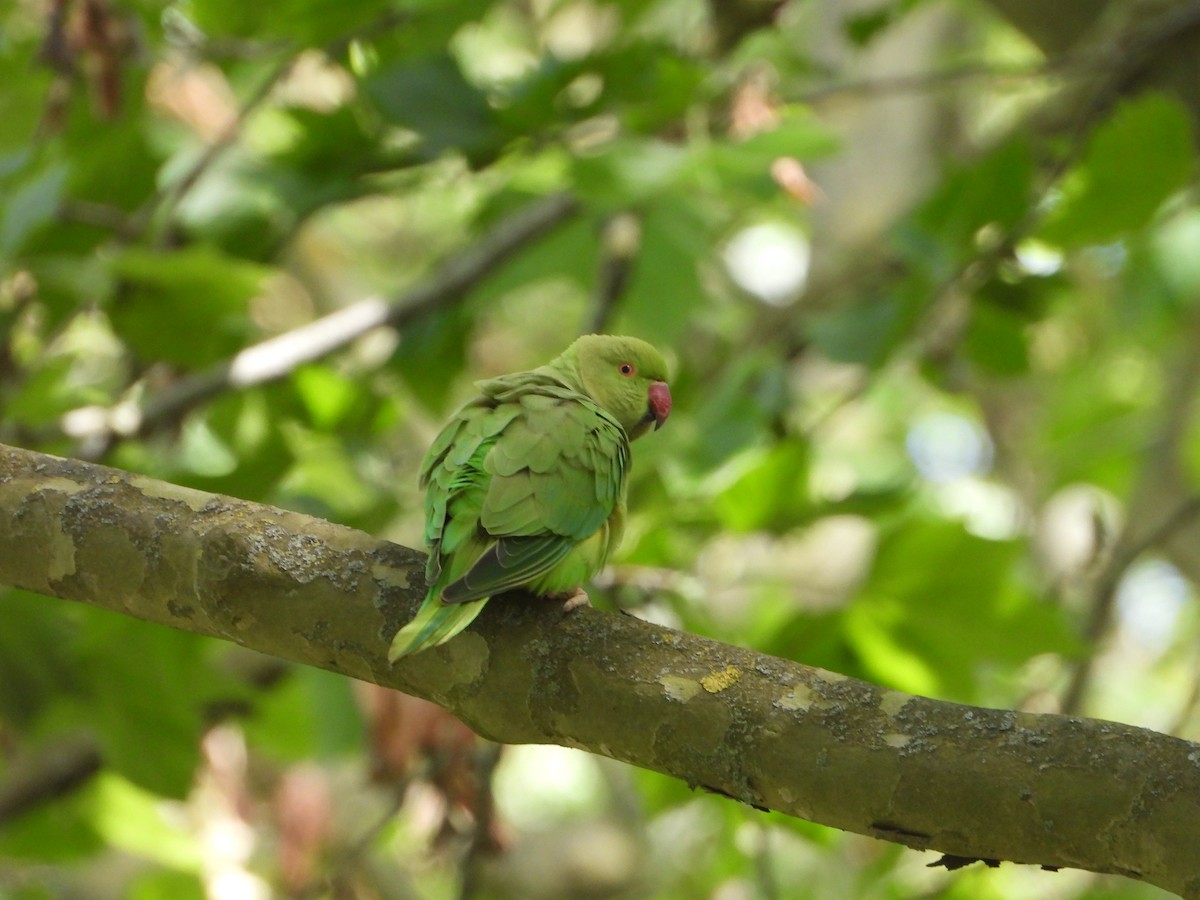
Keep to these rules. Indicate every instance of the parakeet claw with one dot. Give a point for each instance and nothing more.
(575, 600)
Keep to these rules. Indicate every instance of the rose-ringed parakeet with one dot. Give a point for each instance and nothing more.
(525, 487)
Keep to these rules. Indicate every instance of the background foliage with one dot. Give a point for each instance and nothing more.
(928, 273)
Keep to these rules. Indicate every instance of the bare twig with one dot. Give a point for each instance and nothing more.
(1125, 554)
(53, 771)
(619, 245)
(487, 757)
(161, 206)
(348, 858)
(1161, 459)
(921, 81)
(1188, 710)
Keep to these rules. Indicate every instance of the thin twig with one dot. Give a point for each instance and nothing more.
(1184, 718)
(764, 871)
(1125, 554)
(54, 771)
(487, 757)
(620, 242)
(163, 204)
(349, 856)
(921, 81)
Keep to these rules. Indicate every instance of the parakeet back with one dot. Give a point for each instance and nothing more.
(525, 486)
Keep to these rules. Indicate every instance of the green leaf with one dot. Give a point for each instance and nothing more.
(645, 85)
(771, 491)
(1135, 159)
(862, 28)
(995, 340)
(167, 884)
(940, 603)
(868, 331)
(994, 191)
(629, 170)
(309, 22)
(432, 98)
(328, 395)
(431, 352)
(149, 727)
(748, 162)
(324, 479)
(133, 820)
(312, 713)
(28, 205)
(35, 665)
(664, 291)
(738, 410)
(188, 306)
(58, 832)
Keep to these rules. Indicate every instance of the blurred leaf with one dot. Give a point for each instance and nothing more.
(863, 27)
(29, 204)
(135, 821)
(54, 833)
(186, 307)
(167, 884)
(149, 728)
(738, 410)
(308, 22)
(426, 28)
(311, 714)
(772, 491)
(431, 353)
(328, 395)
(48, 393)
(432, 98)
(940, 603)
(644, 84)
(1173, 258)
(647, 84)
(35, 664)
(994, 191)
(664, 287)
(867, 332)
(324, 479)
(799, 134)
(114, 163)
(995, 340)
(244, 208)
(628, 171)
(1134, 160)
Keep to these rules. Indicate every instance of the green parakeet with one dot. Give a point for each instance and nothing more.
(525, 487)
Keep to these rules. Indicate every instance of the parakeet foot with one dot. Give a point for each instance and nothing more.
(575, 600)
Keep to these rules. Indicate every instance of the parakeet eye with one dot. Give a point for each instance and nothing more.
(626, 369)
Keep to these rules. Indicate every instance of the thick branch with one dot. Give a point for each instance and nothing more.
(776, 734)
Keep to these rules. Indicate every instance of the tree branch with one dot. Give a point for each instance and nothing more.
(57, 769)
(96, 426)
(776, 734)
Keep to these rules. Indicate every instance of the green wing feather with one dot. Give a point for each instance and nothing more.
(514, 483)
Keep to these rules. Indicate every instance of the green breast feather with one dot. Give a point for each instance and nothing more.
(525, 488)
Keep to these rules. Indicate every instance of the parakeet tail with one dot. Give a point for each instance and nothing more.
(434, 623)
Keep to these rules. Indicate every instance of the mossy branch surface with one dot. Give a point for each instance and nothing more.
(971, 782)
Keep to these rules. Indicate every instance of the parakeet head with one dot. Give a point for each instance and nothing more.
(627, 377)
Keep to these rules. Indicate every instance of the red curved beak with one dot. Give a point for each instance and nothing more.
(660, 402)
